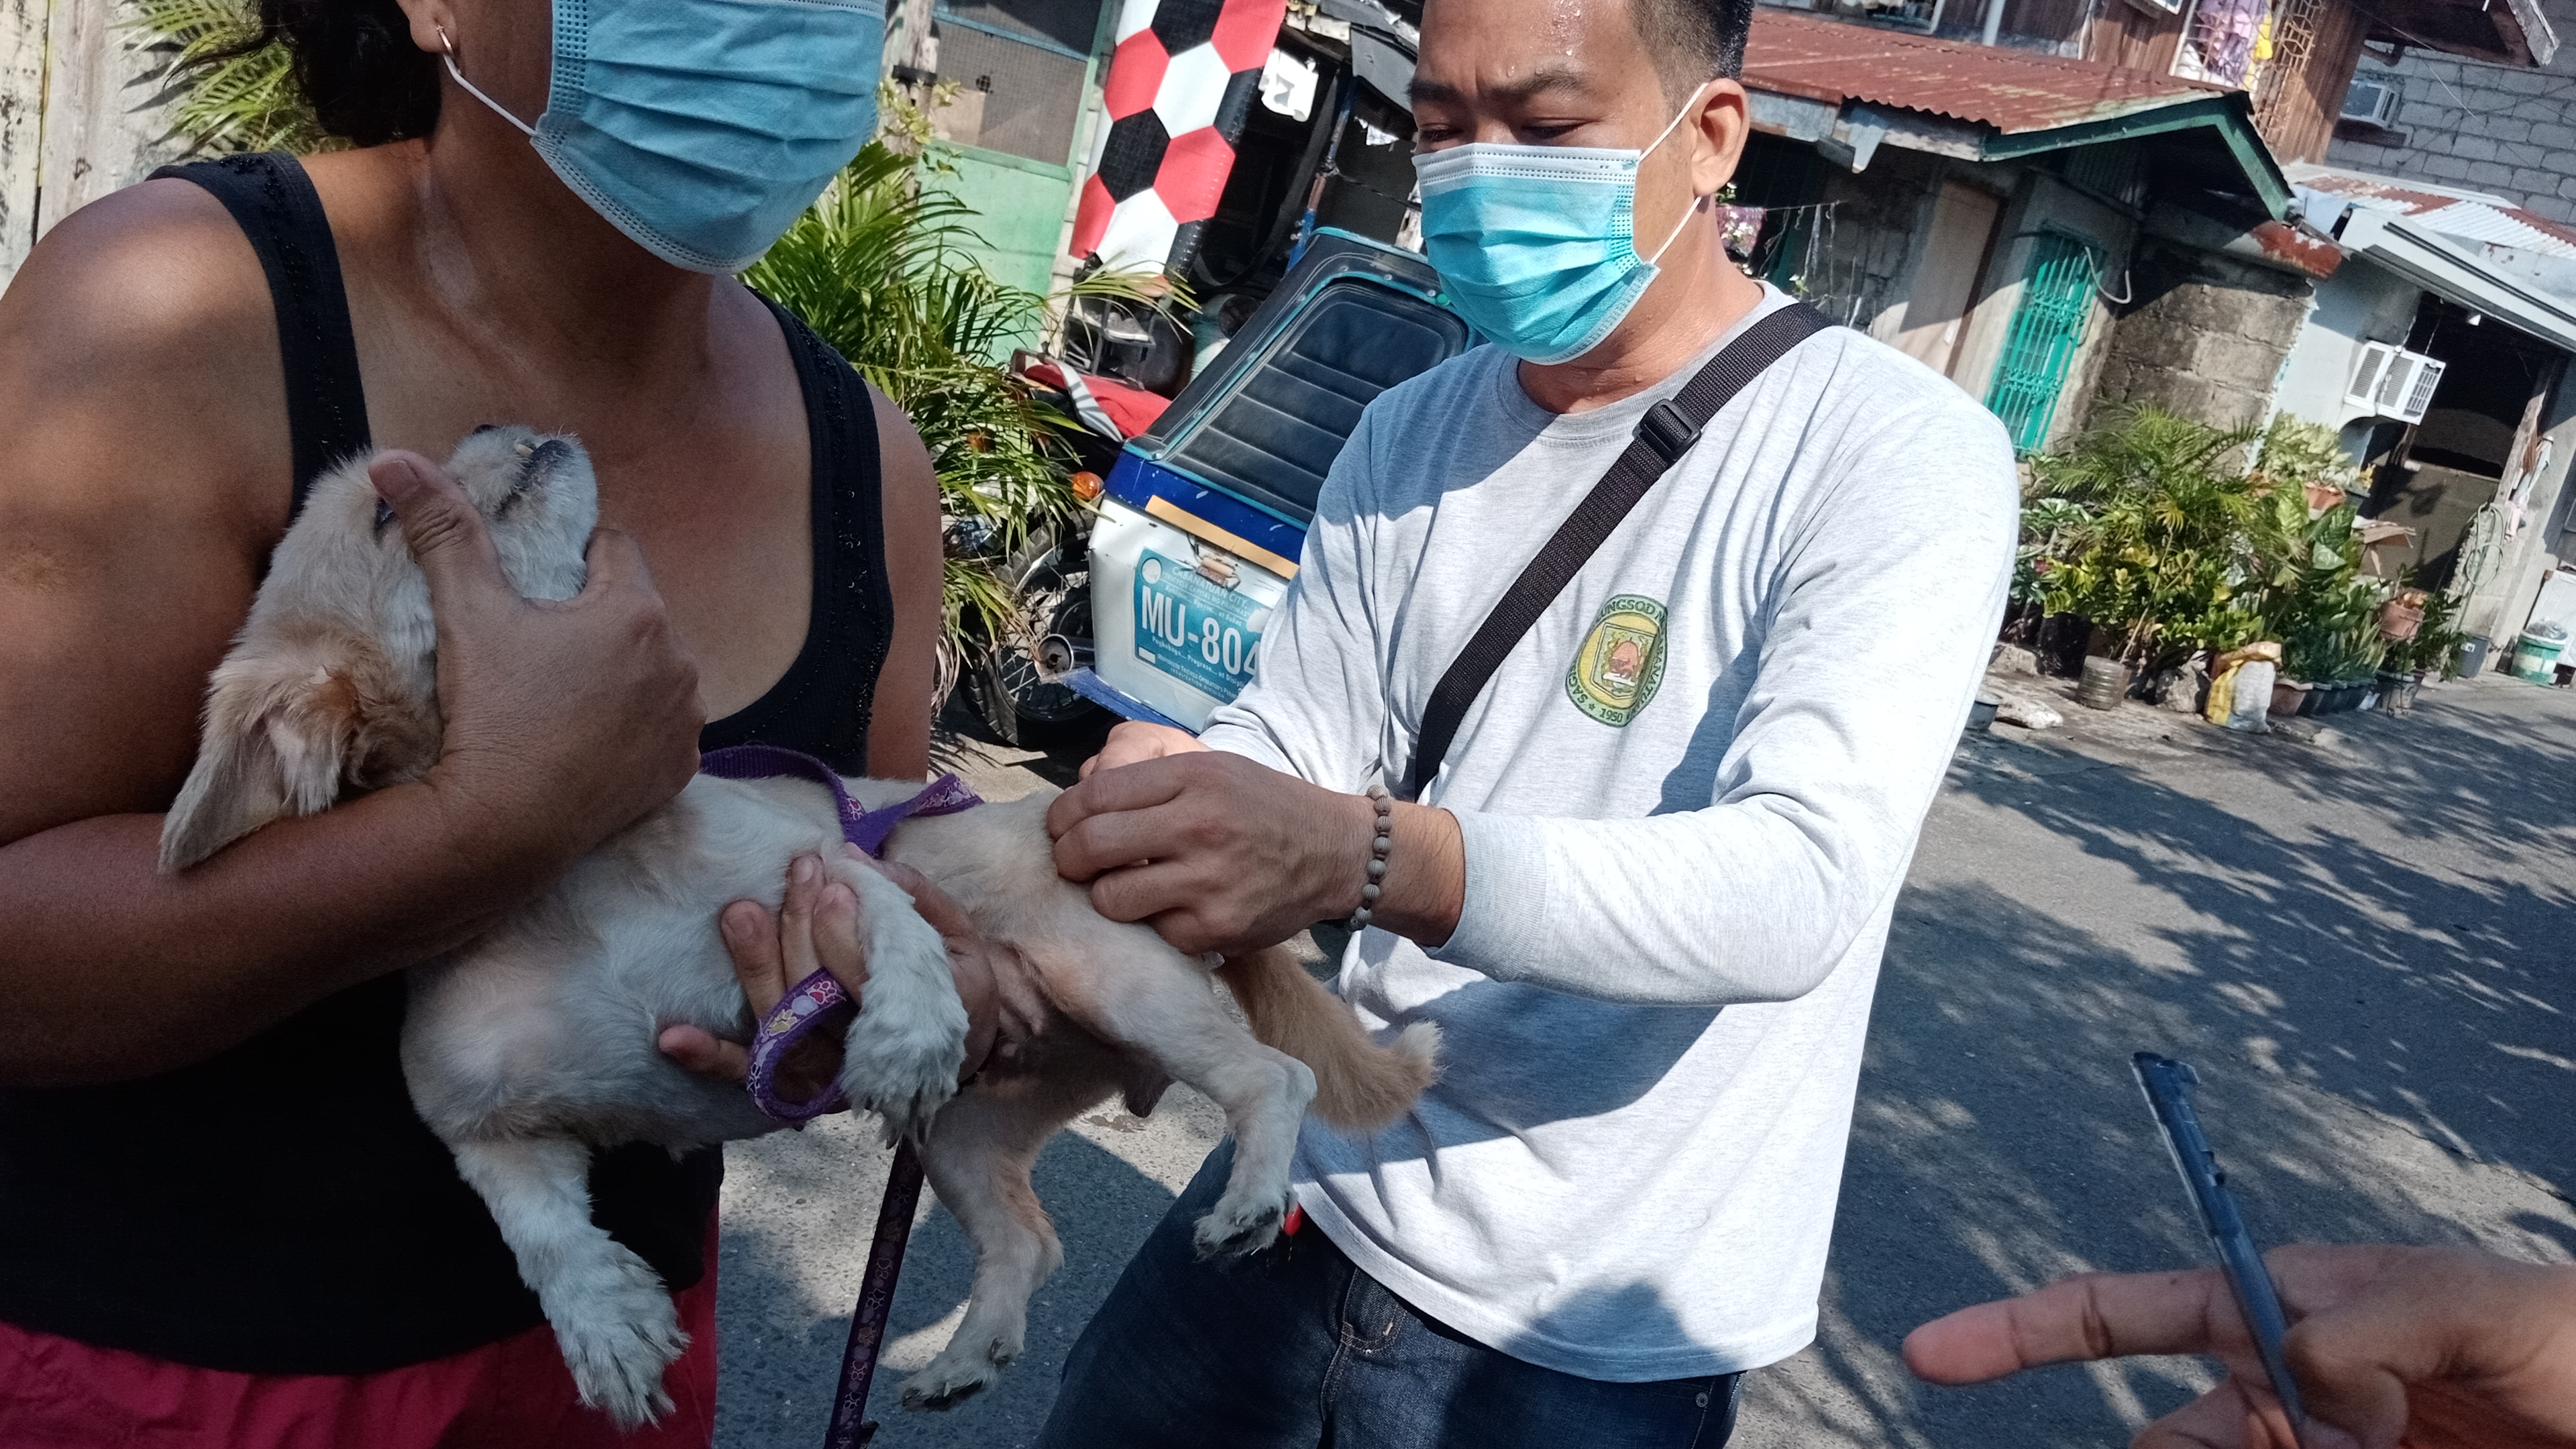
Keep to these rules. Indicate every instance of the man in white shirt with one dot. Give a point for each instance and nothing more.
(1646, 890)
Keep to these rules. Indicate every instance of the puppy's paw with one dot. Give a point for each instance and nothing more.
(901, 1055)
(1241, 1227)
(618, 1333)
(961, 1371)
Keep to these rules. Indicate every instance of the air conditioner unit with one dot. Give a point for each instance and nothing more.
(2391, 382)
(2373, 102)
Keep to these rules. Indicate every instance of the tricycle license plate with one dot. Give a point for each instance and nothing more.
(1194, 631)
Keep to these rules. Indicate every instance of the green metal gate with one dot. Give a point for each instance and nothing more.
(2055, 298)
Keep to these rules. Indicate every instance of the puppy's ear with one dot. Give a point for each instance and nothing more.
(281, 729)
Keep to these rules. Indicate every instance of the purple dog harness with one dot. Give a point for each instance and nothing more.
(818, 1002)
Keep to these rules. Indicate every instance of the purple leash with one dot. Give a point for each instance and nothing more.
(810, 1005)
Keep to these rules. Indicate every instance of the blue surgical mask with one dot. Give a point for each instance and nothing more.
(1536, 245)
(702, 128)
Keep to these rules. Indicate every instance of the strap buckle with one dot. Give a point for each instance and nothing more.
(1665, 430)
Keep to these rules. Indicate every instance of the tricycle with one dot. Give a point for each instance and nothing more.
(1203, 517)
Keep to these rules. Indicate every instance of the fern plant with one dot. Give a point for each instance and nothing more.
(237, 87)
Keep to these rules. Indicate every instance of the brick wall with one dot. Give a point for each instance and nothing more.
(2485, 127)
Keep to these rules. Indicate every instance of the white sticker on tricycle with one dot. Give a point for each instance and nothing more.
(1194, 631)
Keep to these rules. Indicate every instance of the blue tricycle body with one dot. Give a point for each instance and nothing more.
(1203, 518)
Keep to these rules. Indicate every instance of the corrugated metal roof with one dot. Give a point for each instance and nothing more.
(2467, 215)
(2011, 90)
(2505, 226)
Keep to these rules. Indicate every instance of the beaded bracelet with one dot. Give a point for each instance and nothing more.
(1378, 849)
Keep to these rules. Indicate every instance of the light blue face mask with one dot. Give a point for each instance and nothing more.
(1536, 245)
(702, 128)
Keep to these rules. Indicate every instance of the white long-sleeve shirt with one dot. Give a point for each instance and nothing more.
(1688, 799)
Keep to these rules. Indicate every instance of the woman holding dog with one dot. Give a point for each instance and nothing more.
(220, 1221)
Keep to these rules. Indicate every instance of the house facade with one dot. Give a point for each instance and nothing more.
(2069, 209)
(1982, 208)
(2462, 121)
(2442, 346)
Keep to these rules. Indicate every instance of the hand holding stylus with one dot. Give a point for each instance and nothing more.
(2431, 1348)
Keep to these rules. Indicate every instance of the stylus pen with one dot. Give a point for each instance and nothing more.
(2168, 1085)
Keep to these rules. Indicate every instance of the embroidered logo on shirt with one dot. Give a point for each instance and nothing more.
(1621, 661)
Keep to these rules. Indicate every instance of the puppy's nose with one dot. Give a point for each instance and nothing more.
(549, 453)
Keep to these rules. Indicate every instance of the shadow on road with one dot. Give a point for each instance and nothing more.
(2367, 954)
(783, 1347)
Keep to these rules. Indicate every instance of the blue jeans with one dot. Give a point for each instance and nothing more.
(1294, 1346)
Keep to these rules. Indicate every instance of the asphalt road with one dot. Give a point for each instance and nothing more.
(2366, 944)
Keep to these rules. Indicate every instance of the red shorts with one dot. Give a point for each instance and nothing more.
(516, 1394)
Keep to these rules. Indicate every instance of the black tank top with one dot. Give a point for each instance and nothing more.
(279, 1208)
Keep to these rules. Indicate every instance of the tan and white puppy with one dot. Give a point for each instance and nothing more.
(535, 1044)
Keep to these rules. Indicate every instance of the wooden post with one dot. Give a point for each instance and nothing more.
(22, 105)
(912, 48)
(82, 112)
(106, 118)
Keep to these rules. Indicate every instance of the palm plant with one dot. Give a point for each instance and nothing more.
(878, 267)
(881, 266)
(237, 87)
(2139, 529)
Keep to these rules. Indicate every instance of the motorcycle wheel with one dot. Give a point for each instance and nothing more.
(1004, 687)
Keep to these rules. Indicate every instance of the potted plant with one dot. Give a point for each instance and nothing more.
(2137, 527)
(2434, 647)
(2437, 646)
(2402, 615)
(2307, 577)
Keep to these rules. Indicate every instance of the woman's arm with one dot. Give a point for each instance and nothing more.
(899, 720)
(143, 476)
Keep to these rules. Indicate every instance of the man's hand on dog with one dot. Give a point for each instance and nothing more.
(817, 928)
(1220, 853)
(1133, 742)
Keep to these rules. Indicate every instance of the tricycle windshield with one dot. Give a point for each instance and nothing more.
(1272, 437)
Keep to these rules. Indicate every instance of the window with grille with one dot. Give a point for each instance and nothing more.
(2040, 345)
(1020, 67)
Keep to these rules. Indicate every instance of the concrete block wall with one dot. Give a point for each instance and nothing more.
(2203, 336)
(1865, 260)
(2491, 128)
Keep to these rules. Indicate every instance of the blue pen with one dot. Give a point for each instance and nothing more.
(2168, 1085)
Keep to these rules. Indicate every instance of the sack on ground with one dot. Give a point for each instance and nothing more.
(2253, 696)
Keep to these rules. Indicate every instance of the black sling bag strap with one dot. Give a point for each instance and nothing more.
(1663, 436)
